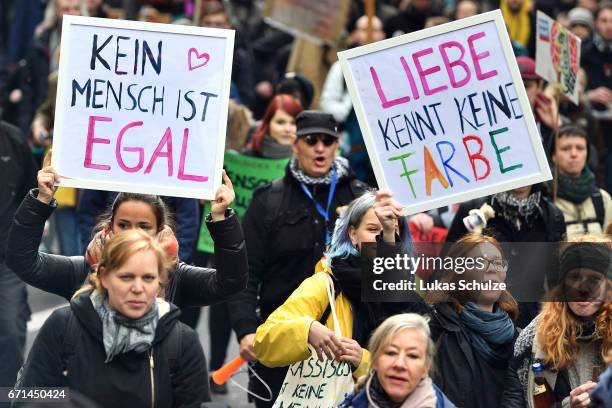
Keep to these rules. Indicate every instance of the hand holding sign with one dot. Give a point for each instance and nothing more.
(47, 180)
(223, 198)
(388, 211)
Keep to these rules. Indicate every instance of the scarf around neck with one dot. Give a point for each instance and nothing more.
(340, 163)
(423, 396)
(489, 331)
(576, 189)
(517, 211)
(270, 149)
(122, 334)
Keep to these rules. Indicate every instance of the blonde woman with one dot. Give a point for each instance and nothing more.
(118, 343)
(402, 353)
(573, 331)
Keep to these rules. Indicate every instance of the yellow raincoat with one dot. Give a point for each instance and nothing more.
(283, 338)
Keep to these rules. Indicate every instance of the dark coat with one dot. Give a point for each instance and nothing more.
(188, 286)
(18, 175)
(462, 373)
(130, 379)
(283, 247)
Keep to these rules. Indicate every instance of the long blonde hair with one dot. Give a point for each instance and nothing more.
(558, 329)
(116, 253)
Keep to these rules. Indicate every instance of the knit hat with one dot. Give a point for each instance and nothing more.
(527, 68)
(582, 16)
(597, 257)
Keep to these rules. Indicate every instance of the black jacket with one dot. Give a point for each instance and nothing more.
(173, 379)
(188, 285)
(464, 376)
(283, 246)
(18, 175)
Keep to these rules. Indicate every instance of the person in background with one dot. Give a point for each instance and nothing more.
(287, 227)
(276, 132)
(402, 354)
(596, 59)
(586, 208)
(572, 334)
(215, 15)
(18, 172)
(520, 22)
(466, 8)
(298, 86)
(122, 339)
(336, 100)
(411, 18)
(580, 22)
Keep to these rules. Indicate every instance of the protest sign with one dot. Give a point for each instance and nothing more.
(142, 107)
(444, 113)
(558, 55)
(246, 173)
(316, 21)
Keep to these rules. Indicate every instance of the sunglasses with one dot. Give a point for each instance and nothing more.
(327, 140)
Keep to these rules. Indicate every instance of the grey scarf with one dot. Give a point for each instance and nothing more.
(121, 334)
(340, 163)
(271, 149)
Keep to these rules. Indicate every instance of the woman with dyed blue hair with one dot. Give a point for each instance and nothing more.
(281, 340)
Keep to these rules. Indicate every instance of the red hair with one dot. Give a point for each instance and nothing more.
(286, 103)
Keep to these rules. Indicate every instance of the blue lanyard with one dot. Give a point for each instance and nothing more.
(320, 210)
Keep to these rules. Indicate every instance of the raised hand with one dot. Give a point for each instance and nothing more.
(47, 178)
(223, 198)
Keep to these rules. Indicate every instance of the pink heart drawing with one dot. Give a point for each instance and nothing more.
(197, 59)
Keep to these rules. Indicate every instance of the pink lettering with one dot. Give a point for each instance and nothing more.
(383, 99)
(138, 150)
(167, 141)
(477, 57)
(181, 173)
(91, 140)
(458, 62)
(424, 72)
(413, 87)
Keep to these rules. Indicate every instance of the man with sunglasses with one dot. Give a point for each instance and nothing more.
(287, 227)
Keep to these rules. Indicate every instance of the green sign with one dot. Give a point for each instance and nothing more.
(246, 173)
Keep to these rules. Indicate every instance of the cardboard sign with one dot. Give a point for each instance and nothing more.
(316, 21)
(558, 55)
(246, 173)
(444, 113)
(142, 107)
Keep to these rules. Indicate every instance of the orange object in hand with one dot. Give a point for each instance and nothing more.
(224, 373)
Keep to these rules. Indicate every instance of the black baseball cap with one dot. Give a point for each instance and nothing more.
(314, 122)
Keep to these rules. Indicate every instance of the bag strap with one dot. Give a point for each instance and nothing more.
(327, 311)
(329, 287)
(72, 332)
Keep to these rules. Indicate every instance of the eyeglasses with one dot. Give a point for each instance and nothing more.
(499, 265)
(327, 140)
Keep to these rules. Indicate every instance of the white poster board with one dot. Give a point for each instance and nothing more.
(142, 107)
(558, 55)
(444, 113)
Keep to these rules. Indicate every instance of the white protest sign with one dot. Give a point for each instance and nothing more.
(142, 107)
(558, 55)
(444, 113)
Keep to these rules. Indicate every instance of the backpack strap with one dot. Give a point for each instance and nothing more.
(72, 332)
(600, 211)
(274, 202)
(173, 349)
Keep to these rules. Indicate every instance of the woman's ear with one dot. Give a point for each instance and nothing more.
(352, 232)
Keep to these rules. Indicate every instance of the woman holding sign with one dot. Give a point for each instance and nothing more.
(117, 343)
(304, 319)
(187, 285)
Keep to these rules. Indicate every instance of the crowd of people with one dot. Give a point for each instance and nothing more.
(286, 277)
